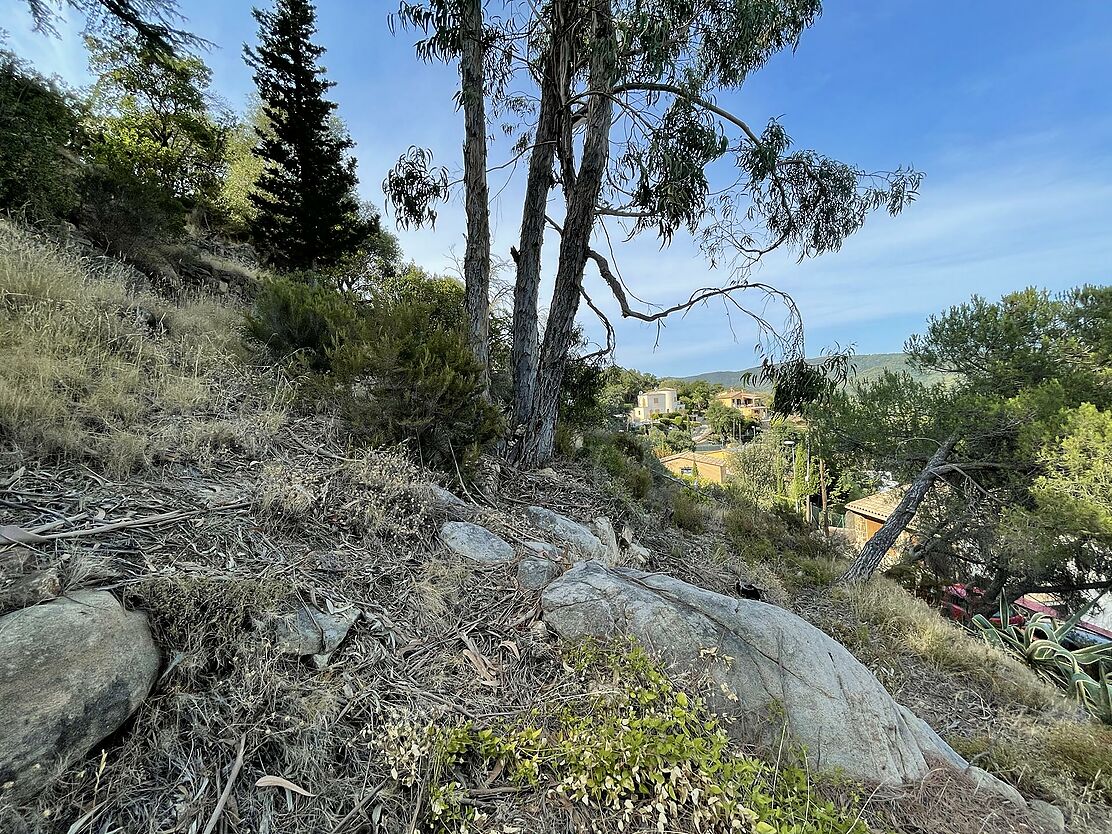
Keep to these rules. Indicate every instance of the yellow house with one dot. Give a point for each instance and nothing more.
(703, 467)
(652, 404)
(745, 401)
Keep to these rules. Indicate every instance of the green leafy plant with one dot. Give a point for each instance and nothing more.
(295, 317)
(634, 751)
(1038, 642)
(410, 377)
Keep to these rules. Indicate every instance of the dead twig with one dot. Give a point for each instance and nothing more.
(227, 792)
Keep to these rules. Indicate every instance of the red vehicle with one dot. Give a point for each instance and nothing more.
(955, 605)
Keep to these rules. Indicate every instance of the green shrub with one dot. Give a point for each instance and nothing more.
(39, 125)
(409, 377)
(638, 752)
(294, 317)
(687, 511)
(127, 214)
(624, 459)
(763, 536)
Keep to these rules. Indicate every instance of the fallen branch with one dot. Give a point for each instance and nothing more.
(237, 765)
(11, 534)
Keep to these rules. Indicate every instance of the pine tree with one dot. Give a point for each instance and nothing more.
(307, 209)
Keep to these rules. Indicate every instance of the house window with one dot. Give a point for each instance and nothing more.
(686, 470)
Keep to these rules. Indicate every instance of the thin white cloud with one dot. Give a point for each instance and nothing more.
(63, 55)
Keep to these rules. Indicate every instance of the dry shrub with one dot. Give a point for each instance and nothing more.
(945, 802)
(379, 496)
(909, 622)
(439, 587)
(1068, 763)
(89, 366)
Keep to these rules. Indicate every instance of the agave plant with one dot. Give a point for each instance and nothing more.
(1038, 642)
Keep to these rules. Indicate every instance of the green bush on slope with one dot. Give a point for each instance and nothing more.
(635, 750)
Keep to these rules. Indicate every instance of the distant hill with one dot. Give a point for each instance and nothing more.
(869, 366)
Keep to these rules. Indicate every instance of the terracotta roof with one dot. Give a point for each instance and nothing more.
(741, 392)
(879, 505)
(698, 457)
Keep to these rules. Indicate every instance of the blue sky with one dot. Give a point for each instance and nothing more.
(1005, 106)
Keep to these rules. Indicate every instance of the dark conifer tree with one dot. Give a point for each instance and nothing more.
(308, 211)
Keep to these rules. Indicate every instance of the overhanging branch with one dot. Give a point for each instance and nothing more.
(611, 338)
(649, 87)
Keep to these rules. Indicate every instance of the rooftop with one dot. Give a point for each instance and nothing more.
(741, 392)
(697, 457)
(879, 505)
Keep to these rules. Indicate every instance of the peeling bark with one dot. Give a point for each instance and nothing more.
(537, 442)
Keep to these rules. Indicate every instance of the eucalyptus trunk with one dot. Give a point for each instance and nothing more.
(476, 259)
(526, 334)
(875, 549)
(537, 442)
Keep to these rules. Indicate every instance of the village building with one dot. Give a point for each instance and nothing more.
(653, 404)
(703, 467)
(749, 401)
(867, 515)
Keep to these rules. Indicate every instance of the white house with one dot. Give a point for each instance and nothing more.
(651, 404)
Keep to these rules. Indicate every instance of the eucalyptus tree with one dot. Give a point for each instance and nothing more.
(614, 104)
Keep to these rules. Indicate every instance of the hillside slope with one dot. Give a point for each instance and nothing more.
(868, 366)
(328, 660)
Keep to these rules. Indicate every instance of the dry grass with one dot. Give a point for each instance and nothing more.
(207, 584)
(94, 370)
(906, 621)
(944, 803)
(1067, 763)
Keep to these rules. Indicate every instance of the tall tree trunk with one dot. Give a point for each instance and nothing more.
(476, 259)
(872, 554)
(536, 445)
(526, 338)
(825, 506)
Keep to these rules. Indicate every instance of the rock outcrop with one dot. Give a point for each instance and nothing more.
(611, 553)
(312, 633)
(759, 664)
(476, 543)
(1051, 819)
(535, 572)
(72, 671)
(571, 534)
(450, 504)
